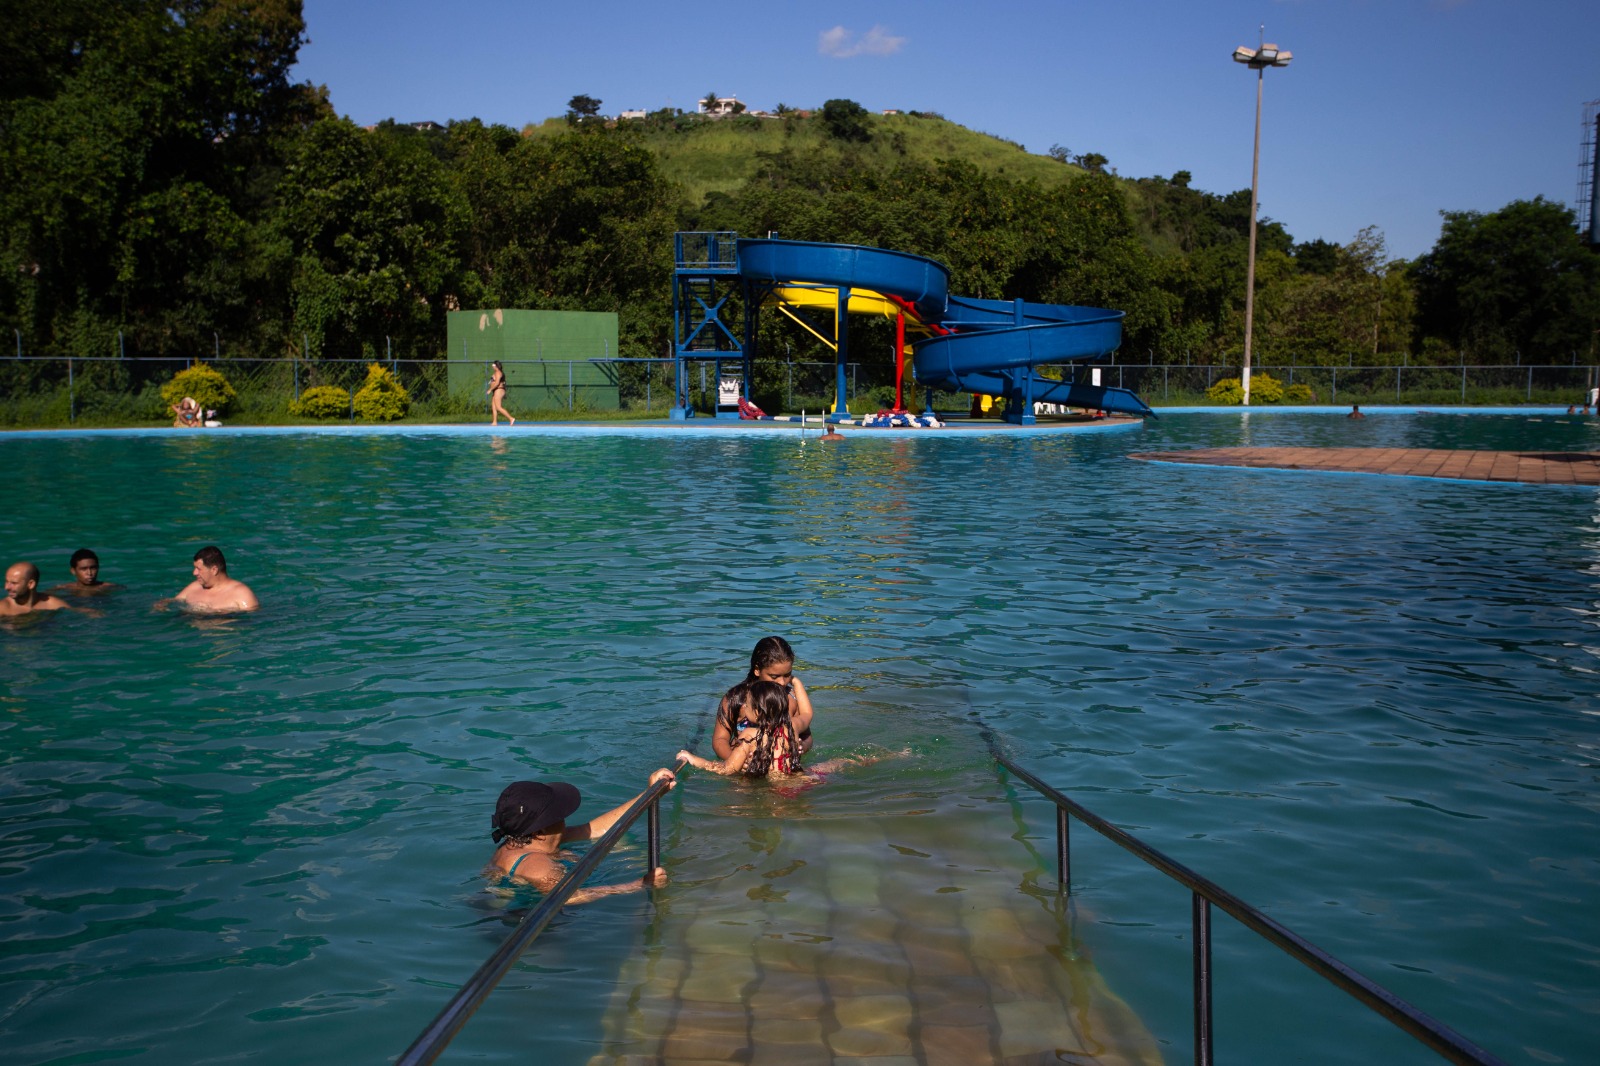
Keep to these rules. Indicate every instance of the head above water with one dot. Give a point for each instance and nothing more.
(211, 557)
(768, 657)
(528, 808)
(21, 579)
(770, 702)
(85, 566)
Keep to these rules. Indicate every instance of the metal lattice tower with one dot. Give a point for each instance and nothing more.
(1588, 174)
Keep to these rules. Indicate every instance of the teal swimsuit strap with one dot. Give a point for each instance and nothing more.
(512, 872)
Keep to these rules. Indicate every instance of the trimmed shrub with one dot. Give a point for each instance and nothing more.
(1226, 391)
(382, 398)
(1299, 392)
(1264, 388)
(208, 387)
(321, 401)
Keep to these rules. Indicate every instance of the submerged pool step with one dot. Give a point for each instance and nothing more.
(866, 938)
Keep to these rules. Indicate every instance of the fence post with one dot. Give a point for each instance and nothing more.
(1530, 378)
(1335, 385)
(72, 401)
(1463, 384)
(569, 385)
(1396, 384)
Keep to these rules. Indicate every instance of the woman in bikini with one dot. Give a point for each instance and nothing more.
(530, 825)
(772, 660)
(497, 395)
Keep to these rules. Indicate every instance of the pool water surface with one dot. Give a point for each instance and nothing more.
(1366, 705)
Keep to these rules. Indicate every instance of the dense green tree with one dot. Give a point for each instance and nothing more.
(1516, 280)
(372, 223)
(846, 120)
(133, 141)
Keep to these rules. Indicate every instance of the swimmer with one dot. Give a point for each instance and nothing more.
(212, 590)
(1355, 411)
(771, 660)
(768, 746)
(85, 568)
(530, 825)
(832, 434)
(23, 595)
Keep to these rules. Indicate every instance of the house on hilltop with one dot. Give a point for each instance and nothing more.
(725, 105)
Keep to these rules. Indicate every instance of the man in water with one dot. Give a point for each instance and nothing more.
(1355, 411)
(212, 589)
(23, 595)
(832, 434)
(85, 566)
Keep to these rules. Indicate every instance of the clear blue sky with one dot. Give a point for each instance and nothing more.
(1391, 111)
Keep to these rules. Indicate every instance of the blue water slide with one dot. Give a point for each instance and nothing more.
(991, 346)
(922, 282)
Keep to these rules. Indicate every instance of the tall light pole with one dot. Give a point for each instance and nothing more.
(1258, 60)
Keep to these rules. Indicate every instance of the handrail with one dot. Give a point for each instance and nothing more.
(431, 1043)
(1435, 1034)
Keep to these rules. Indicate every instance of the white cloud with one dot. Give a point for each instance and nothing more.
(841, 43)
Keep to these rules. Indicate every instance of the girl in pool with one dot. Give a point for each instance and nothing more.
(772, 660)
(768, 746)
(497, 395)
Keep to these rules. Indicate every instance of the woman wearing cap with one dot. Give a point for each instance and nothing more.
(530, 825)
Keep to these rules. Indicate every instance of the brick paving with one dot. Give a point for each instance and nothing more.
(1536, 468)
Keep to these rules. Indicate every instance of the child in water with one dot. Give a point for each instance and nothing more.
(771, 660)
(767, 745)
(530, 825)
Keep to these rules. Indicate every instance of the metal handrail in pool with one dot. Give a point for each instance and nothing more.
(431, 1043)
(1435, 1034)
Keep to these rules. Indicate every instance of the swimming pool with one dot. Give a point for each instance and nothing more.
(1367, 705)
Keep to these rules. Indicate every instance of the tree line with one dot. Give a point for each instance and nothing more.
(162, 180)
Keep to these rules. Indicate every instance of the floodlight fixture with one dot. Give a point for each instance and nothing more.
(1258, 60)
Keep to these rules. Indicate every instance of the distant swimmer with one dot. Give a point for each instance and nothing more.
(1355, 411)
(212, 589)
(832, 434)
(85, 567)
(23, 595)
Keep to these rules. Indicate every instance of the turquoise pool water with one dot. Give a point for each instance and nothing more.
(1367, 705)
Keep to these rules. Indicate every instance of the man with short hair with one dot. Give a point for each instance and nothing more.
(23, 595)
(212, 589)
(85, 567)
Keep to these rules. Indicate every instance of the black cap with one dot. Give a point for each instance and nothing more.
(527, 808)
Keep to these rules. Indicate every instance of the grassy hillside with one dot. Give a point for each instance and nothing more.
(718, 155)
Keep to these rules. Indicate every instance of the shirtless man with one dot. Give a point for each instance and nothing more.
(22, 594)
(212, 589)
(85, 566)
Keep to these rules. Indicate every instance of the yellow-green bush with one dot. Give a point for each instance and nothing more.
(208, 387)
(1226, 390)
(1299, 392)
(1264, 388)
(382, 398)
(321, 401)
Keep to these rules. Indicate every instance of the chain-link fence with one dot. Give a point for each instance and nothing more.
(38, 391)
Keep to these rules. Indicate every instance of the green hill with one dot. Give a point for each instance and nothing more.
(705, 155)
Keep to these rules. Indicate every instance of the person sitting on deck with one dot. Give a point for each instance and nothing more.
(530, 825)
(186, 414)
